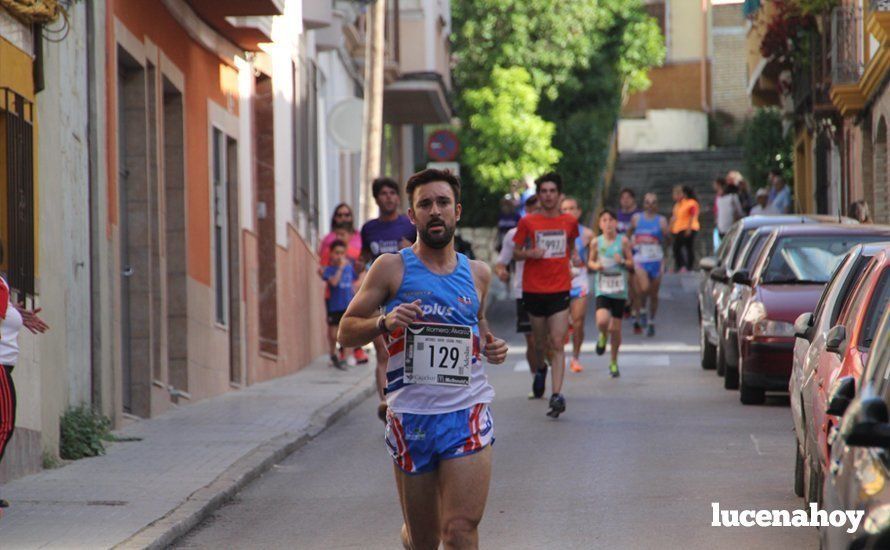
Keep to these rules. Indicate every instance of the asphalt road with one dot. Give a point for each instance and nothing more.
(634, 462)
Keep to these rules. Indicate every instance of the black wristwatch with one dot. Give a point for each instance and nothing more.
(381, 325)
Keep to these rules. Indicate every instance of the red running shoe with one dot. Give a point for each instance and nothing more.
(360, 356)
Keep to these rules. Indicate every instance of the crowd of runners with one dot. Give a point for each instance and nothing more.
(423, 305)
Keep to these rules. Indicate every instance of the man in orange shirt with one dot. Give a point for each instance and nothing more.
(545, 241)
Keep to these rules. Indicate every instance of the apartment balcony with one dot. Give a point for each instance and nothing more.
(847, 54)
(417, 98)
(246, 23)
(763, 73)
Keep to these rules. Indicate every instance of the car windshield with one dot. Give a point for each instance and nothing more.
(876, 307)
(809, 259)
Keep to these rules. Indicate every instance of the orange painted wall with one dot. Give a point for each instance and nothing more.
(203, 80)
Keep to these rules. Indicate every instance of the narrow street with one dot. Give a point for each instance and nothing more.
(634, 462)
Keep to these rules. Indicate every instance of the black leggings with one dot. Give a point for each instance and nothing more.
(684, 255)
(7, 407)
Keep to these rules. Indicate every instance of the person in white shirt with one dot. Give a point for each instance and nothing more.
(729, 209)
(762, 197)
(502, 270)
(12, 319)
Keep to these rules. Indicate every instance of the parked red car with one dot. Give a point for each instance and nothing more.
(787, 280)
(845, 353)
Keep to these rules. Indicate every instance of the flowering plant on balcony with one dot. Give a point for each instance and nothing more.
(787, 36)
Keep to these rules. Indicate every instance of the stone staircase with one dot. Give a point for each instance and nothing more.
(659, 172)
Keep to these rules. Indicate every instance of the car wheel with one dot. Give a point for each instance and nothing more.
(708, 351)
(798, 471)
(731, 378)
(750, 395)
(814, 486)
(720, 357)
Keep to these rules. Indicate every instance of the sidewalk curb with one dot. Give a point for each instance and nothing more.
(205, 501)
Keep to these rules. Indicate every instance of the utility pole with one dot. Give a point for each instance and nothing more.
(372, 126)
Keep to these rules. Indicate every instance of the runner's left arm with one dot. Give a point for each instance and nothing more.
(494, 349)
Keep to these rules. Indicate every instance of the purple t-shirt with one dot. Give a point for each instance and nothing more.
(380, 237)
(624, 219)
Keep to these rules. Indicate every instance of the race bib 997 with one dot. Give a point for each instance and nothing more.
(438, 354)
(553, 242)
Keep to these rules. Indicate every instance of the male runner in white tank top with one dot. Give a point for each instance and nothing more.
(439, 429)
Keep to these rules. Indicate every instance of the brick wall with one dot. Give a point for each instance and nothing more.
(729, 72)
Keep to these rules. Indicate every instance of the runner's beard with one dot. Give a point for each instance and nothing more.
(436, 241)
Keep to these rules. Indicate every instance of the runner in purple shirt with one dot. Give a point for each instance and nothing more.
(627, 208)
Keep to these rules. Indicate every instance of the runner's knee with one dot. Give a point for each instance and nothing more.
(459, 532)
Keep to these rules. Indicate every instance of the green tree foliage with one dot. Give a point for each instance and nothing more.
(766, 146)
(582, 57)
(508, 139)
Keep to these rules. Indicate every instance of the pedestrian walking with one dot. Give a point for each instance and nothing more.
(610, 258)
(386, 234)
(12, 318)
(546, 242)
(510, 272)
(761, 198)
(734, 177)
(339, 277)
(580, 284)
(439, 426)
(684, 227)
(648, 233)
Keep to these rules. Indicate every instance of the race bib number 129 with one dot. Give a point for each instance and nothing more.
(438, 354)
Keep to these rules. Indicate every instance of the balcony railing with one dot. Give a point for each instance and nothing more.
(846, 45)
(879, 5)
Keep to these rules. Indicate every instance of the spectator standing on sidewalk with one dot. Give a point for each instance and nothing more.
(12, 319)
(859, 211)
(734, 177)
(761, 198)
(684, 227)
(339, 277)
(508, 218)
(779, 195)
(729, 208)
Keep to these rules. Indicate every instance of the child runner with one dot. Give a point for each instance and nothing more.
(648, 231)
(339, 276)
(580, 285)
(610, 257)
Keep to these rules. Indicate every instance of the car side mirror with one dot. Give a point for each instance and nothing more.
(842, 393)
(742, 277)
(719, 274)
(802, 325)
(835, 339)
(707, 263)
(870, 427)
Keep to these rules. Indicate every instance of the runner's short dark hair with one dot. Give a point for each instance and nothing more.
(335, 243)
(429, 176)
(629, 191)
(552, 177)
(607, 211)
(380, 183)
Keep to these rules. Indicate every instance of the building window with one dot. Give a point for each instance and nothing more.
(305, 128)
(17, 180)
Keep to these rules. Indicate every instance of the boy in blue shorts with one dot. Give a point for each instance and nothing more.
(339, 277)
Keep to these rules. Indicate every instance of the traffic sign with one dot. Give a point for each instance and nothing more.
(443, 146)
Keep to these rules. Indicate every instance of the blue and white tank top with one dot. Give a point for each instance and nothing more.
(447, 299)
(648, 239)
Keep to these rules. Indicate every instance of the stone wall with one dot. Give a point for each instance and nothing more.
(483, 240)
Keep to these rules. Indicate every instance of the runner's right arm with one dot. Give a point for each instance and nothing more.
(520, 239)
(361, 322)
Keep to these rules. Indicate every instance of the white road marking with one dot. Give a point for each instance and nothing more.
(590, 347)
(756, 445)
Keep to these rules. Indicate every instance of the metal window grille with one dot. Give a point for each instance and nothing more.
(846, 61)
(16, 118)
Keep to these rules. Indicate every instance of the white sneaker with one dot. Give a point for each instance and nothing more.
(351, 361)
